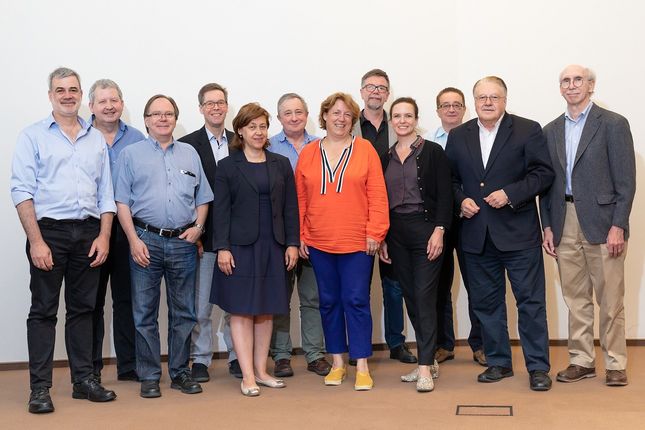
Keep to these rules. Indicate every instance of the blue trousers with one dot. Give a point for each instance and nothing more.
(344, 291)
(175, 260)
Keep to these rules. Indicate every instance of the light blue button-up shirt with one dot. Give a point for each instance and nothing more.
(279, 144)
(440, 137)
(65, 179)
(219, 147)
(126, 135)
(572, 133)
(162, 188)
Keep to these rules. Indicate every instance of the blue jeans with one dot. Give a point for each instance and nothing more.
(175, 260)
(392, 312)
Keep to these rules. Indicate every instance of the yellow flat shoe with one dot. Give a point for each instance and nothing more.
(363, 382)
(336, 376)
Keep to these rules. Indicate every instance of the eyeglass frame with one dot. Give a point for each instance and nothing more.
(380, 88)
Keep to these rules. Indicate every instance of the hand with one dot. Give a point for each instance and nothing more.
(192, 234)
(372, 246)
(291, 257)
(469, 208)
(200, 248)
(140, 254)
(547, 243)
(497, 199)
(383, 255)
(615, 241)
(100, 247)
(41, 256)
(303, 251)
(435, 244)
(225, 261)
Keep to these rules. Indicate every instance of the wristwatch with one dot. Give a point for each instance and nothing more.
(200, 227)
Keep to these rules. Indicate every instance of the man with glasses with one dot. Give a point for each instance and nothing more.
(106, 105)
(500, 163)
(212, 144)
(62, 189)
(450, 110)
(162, 196)
(373, 125)
(585, 216)
(292, 114)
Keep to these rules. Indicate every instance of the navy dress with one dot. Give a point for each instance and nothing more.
(258, 283)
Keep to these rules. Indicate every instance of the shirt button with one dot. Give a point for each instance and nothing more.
(481, 184)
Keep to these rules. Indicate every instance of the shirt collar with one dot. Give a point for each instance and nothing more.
(363, 120)
(210, 135)
(282, 138)
(494, 130)
(122, 125)
(440, 132)
(51, 120)
(583, 114)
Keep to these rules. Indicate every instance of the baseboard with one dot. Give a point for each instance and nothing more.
(22, 365)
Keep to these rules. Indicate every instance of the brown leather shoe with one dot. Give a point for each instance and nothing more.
(320, 367)
(480, 358)
(282, 368)
(575, 373)
(442, 355)
(615, 378)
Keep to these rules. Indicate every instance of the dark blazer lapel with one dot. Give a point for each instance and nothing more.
(244, 167)
(503, 133)
(206, 152)
(474, 147)
(560, 142)
(591, 127)
(272, 167)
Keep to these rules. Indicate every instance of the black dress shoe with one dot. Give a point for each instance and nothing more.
(150, 389)
(91, 390)
(40, 402)
(539, 380)
(494, 374)
(200, 372)
(130, 375)
(235, 369)
(352, 361)
(186, 384)
(403, 354)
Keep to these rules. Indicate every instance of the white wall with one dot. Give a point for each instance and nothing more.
(261, 49)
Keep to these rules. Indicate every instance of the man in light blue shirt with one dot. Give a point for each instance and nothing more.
(162, 195)
(106, 105)
(450, 110)
(292, 114)
(62, 189)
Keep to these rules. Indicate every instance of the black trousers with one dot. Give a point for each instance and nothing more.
(407, 242)
(70, 242)
(445, 326)
(116, 269)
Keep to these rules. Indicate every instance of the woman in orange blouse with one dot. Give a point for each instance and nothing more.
(343, 217)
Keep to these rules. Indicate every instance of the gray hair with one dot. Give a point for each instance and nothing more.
(495, 79)
(63, 72)
(289, 96)
(591, 75)
(103, 84)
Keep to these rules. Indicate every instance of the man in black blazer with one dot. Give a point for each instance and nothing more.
(212, 144)
(586, 223)
(500, 163)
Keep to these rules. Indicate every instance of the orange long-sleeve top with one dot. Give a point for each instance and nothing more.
(340, 206)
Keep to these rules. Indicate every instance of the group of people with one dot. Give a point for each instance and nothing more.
(240, 220)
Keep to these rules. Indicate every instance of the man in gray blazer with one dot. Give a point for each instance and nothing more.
(585, 216)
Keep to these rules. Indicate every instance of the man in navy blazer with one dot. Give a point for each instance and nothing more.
(586, 223)
(500, 163)
(212, 144)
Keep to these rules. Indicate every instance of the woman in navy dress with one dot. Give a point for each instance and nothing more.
(256, 235)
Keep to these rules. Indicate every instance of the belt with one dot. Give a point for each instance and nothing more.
(164, 232)
(568, 198)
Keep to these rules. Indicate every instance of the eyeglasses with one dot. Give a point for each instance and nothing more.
(372, 88)
(159, 115)
(575, 83)
(211, 104)
(447, 106)
(493, 98)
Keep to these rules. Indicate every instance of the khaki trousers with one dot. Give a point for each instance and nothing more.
(586, 269)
